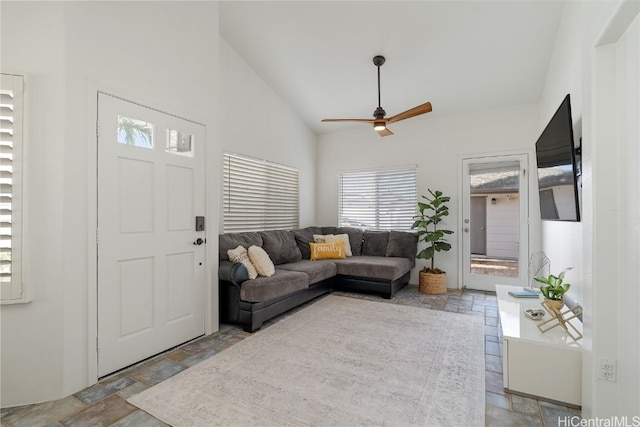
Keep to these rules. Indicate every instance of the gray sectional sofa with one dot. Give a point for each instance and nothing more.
(381, 263)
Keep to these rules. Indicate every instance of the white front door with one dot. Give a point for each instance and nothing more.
(150, 267)
(500, 183)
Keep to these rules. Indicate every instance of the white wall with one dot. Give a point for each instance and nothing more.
(435, 144)
(162, 54)
(601, 74)
(565, 76)
(257, 123)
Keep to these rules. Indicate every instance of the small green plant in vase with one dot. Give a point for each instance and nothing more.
(432, 280)
(553, 289)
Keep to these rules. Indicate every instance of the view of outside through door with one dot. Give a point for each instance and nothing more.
(494, 226)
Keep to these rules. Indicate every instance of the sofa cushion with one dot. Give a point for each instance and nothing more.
(281, 246)
(378, 267)
(355, 238)
(375, 243)
(329, 230)
(333, 250)
(303, 237)
(402, 244)
(233, 240)
(282, 283)
(261, 261)
(317, 270)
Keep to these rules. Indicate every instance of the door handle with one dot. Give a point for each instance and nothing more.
(466, 230)
(199, 241)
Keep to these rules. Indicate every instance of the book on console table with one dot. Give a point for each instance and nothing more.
(524, 294)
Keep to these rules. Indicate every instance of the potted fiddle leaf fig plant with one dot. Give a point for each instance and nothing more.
(432, 279)
(553, 289)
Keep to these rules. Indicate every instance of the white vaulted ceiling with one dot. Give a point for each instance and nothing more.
(462, 56)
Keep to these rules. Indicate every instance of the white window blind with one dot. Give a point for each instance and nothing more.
(378, 200)
(259, 195)
(11, 142)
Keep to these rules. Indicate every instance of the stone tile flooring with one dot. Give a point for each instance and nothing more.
(105, 404)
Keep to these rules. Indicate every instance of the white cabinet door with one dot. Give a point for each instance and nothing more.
(150, 272)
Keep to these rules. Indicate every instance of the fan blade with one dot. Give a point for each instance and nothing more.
(348, 120)
(415, 111)
(384, 132)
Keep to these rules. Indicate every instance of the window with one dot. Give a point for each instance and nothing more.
(259, 195)
(11, 143)
(378, 200)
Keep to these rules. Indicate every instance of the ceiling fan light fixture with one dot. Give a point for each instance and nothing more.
(379, 121)
(379, 126)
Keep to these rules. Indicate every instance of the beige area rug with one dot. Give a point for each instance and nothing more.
(340, 361)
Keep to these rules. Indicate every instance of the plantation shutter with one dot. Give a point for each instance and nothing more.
(11, 88)
(378, 200)
(259, 195)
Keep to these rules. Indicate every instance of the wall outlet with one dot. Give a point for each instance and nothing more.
(607, 369)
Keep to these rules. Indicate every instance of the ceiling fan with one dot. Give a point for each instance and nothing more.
(379, 121)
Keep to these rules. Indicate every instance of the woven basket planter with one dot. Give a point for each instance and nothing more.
(431, 283)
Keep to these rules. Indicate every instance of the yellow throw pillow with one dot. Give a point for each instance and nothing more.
(261, 261)
(334, 250)
(330, 238)
(240, 255)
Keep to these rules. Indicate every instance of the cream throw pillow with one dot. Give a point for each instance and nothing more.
(344, 238)
(240, 255)
(331, 238)
(261, 261)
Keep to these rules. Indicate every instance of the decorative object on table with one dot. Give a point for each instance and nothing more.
(562, 319)
(538, 267)
(524, 294)
(553, 290)
(534, 313)
(432, 280)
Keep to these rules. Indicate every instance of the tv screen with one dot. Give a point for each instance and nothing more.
(557, 167)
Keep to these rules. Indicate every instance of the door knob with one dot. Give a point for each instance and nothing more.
(199, 241)
(466, 230)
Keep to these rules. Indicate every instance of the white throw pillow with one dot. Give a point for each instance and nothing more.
(240, 255)
(261, 261)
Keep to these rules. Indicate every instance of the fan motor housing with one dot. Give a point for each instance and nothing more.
(378, 60)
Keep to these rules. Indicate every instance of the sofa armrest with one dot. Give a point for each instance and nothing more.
(233, 272)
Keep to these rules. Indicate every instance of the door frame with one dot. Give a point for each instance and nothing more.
(211, 233)
(533, 206)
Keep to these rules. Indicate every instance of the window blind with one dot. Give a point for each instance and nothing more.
(259, 195)
(378, 200)
(11, 87)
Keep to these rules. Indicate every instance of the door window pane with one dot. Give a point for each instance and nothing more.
(179, 143)
(495, 216)
(137, 133)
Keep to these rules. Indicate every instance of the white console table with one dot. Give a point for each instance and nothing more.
(547, 366)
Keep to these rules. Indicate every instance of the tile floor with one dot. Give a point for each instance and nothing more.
(105, 404)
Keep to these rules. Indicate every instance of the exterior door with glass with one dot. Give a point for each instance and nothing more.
(495, 221)
(150, 248)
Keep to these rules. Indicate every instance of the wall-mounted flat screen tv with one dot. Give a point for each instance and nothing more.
(558, 168)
